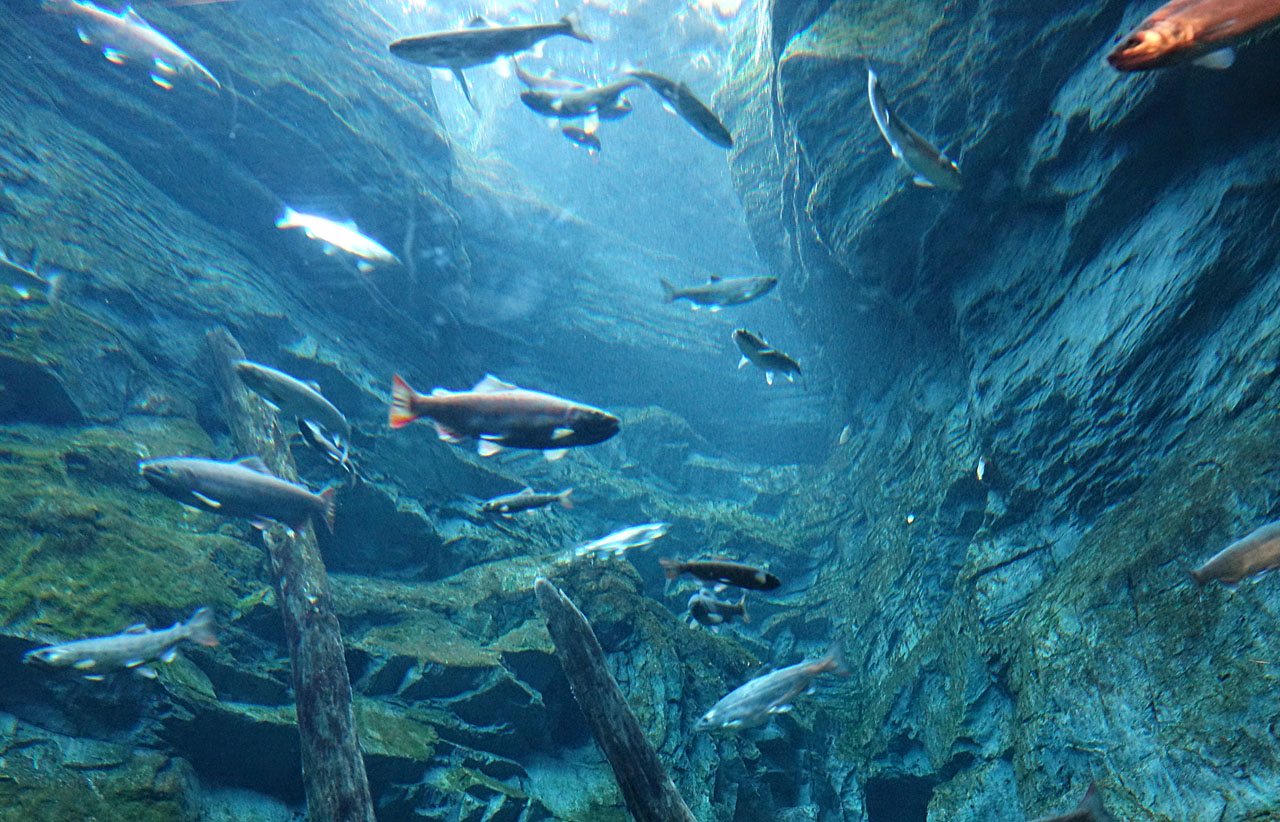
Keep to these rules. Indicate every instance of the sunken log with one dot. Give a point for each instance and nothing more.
(333, 774)
(650, 794)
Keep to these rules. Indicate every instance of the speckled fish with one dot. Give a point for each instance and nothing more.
(131, 649)
(244, 488)
(525, 500)
(1200, 31)
(584, 138)
(705, 609)
(292, 396)
(335, 236)
(619, 542)
(928, 165)
(126, 36)
(718, 292)
(479, 43)
(501, 415)
(692, 110)
(605, 102)
(756, 702)
(722, 571)
(764, 356)
(1253, 554)
(27, 282)
(1090, 809)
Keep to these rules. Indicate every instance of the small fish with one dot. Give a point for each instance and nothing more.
(244, 488)
(133, 648)
(619, 542)
(458, 49)
(334, 236)
(756, 702)
(929, 165)
(501, 415)
(605, 102)
(705, 609)
(718, 292)
(845, 434)
(768, 359)
(525, 500)
(549, 81)
(338, 452)
(27, 282)
(722, 571)
(1090, 809)
(1199, 31)
(584, 138)
(126, 36)
(692, 110)
(1253, 554)
(292, 396)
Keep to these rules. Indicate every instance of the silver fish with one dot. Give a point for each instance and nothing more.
(244, 488)
(619, 542)
(705, 609)
(525, 500)
(765, 357)
(718, 292)
(605, 102)
(584, 138)
(1254, 553)
(334, 236)
(28, 282)
(685, 104)
(133, 648)
(292, 396)
(755, 703)
(926, 162)
(126, 36)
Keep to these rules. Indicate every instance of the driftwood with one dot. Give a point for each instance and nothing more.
(650, 794)
(333, 773)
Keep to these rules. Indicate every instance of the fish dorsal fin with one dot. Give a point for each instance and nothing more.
(440, 392)
(478, 22)
(136, 628)
(1092, 803)
(527, 490)
(254, 464)
(312, 383)
(491, 384)
(714, 278)
(133, 17)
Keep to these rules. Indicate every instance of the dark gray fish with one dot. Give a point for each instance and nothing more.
(705, 609)
(244, 488)
(764, 356)
(458, 49)
(1090, 809)
(133, 648)
(756, 702)
(722, 571)
(1252, 554)
(604, 101)
(689, 107)
(718, 292)
(292, 396)
(584, 138)
(314, 436)
(928, 165)
(525, 500)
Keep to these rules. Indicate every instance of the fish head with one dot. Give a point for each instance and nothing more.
(1153, 44)
(50, 655)
(166, 474)
(747, 342)
(592, 425)
(708, 722)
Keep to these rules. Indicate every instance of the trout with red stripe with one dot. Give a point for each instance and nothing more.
(1199, 30)
(501, 415)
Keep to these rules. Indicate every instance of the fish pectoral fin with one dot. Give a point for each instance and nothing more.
(768, 377)
(487, 448)
(561, 433)
(162, 81)
(364, 266)
(85, 664)
(260, 524)
(163, 66)
(329, 249)
(780, 709)
(133, 663)
(716, 308)
(448, 435)
(145, 671)
(555, 454)
(169, 655)
(1220, 59)
(207, 500)
(922, 181)
(466, 90)
(791, 377)
(84, 36)
(254, 464)
(115, 56)
(743, 362)
(94, 677)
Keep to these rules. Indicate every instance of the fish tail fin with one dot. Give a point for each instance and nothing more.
(287, 219)
(742, 603)
(1196, 577)
(1092, 803)
(200, 628)
(329, 495)
(668, 291)
(834, 660)
(401, 403)
(571, 21)
(564, 497)
(671, 567)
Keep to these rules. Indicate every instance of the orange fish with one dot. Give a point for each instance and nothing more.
(1197, 30)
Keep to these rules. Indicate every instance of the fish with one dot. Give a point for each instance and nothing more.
(549, 81)
(619, 542)
(1204, 32)
(525, 500)
(479, 43)
(501, 415)
(131, 649)
(705, 609)
(244, 488)
(768, 359)
(845, 434)
(338, 452)
(27, 282)
(718, 292)
(125, 36)
(723, 572)
(1255, 553)
(292, 396)
(334, 236)
(928, 165)
(605, 102)
(755, 703)
(685, 104)
(582, 137)
(1090, 809)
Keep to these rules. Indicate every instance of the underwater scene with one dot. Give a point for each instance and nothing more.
(669, 410)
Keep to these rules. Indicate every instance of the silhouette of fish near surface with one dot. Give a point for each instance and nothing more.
(928, 165)
(1202, 31)
(501, 415)
(131, 649)
(125, 36)
(756, 702)
(684, 103)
